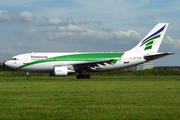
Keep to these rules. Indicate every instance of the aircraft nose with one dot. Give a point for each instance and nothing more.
(10, 64)
(6, 63)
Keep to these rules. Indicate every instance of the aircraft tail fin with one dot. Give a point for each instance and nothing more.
(151, 42)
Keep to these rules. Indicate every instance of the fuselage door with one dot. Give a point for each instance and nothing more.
(125, 59)
(26, 59)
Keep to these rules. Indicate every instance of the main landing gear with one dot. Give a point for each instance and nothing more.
(84, 76)
(28, 76)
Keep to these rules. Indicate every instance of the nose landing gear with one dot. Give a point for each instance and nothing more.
(28, 76)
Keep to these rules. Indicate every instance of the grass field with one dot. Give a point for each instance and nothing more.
(123, 97)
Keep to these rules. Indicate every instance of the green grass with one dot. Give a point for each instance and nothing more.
(120, 97)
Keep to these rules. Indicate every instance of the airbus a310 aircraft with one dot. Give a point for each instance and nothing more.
(64, 64)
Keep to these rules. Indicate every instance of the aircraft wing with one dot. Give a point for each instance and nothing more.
(95, 64)
(153, 56)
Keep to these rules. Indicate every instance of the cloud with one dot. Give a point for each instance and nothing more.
(54, 22)
(74, 33)
(4, 16)
(22, 17)
(72, 21)
(26, 17)
(32, 30)
(72, 38)
(130, 32)
(97, 22)
(75, 21)
(172, 42)
(71, 28)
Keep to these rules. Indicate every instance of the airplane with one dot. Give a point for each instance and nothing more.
(64, 64)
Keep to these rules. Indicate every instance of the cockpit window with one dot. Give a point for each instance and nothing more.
(13, 59)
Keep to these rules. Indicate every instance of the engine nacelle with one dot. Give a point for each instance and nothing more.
(60, 71)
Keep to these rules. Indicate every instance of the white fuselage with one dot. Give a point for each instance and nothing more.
(45, 62)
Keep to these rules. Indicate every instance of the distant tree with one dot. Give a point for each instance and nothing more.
(165, 68)
(159, 68)
(0, 66)
(5, 68)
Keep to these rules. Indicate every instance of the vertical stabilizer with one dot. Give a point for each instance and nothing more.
(151, 42)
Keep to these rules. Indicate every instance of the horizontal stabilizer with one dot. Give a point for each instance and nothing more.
(153, 56)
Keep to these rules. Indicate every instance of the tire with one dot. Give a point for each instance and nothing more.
(78, 76)
(28, 77)
(87, 77)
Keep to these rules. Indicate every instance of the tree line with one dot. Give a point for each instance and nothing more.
(4, 68)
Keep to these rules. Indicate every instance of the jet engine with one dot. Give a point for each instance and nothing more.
(62, 71)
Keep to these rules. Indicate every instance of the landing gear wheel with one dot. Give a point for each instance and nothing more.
(83, 77)
(87, 77)
(78, 76)
(28, 77)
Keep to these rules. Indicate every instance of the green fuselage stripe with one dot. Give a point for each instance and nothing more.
(77, 57)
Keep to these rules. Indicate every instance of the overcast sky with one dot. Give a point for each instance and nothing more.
(86, 26)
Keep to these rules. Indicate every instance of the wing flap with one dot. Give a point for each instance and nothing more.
(94, 64)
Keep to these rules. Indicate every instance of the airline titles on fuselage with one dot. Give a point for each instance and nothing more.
(39, 56)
